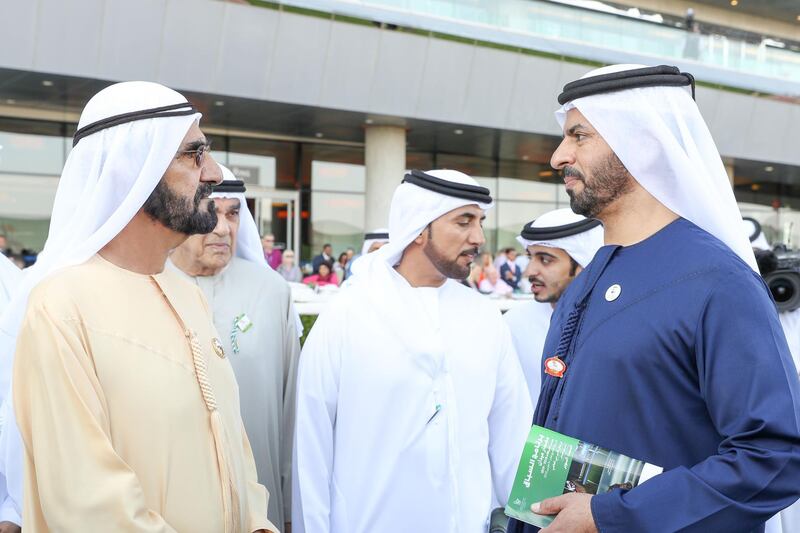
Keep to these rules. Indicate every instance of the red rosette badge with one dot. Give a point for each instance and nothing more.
(554, 366)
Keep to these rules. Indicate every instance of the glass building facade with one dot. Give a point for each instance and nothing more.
(311, 193)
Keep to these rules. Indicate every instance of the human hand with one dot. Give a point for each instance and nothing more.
(9, 527)
(573, 513)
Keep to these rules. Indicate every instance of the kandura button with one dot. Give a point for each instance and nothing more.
(613, 292)
(218, 349)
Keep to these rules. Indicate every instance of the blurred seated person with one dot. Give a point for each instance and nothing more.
(271, 254)
(492, 284)
(340, 266)
(486, 261)
(288, 269)
(324, 276)
(326, 255)
(510, 271)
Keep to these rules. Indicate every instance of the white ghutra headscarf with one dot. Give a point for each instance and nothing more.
(580, 246)
(661, 138)
(248, 243)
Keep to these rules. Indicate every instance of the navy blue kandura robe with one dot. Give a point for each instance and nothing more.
(688, 369)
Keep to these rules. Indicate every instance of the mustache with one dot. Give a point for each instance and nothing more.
(534, 279)
(204, 190)
(572, 172)
(473, 251)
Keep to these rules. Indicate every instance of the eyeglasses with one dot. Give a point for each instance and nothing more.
(199, 153)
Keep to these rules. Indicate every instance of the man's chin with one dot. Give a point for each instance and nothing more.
(544, 298)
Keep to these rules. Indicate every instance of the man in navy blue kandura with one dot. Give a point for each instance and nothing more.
(672, 346)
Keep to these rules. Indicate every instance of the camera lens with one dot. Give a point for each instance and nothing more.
(785, 288)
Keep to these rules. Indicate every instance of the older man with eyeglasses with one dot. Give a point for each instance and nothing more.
(252, 310)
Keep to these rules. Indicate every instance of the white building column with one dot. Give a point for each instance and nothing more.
(385, 162)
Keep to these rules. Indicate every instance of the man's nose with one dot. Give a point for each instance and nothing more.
(563, 156)
(210, 172)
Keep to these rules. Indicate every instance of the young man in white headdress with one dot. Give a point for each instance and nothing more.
(374, 240)
(559, 244)
(411, 406)
(125, 400)
(252, 310)
(667, 348)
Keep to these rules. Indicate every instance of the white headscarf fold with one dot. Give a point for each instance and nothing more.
(581, 247)
(663, 141)
(412, 209)
(107, 178)
(248, 242)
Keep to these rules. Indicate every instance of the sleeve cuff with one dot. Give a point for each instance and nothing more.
(607, 511)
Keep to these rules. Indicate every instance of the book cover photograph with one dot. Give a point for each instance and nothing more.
(553, 464)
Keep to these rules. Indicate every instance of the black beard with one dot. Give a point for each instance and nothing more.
(610, 181)
(177, 214)
(447, 267)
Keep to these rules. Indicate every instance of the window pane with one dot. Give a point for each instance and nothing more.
(340, 177)
(512, 216)
(31, 154)
(25, 206)
(338, 219)
(525, 190)
(253, 169)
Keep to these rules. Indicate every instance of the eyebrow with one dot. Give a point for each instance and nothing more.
(470, 216)
(576, 127)
(544, 254)
(235, 207)
(195, 145)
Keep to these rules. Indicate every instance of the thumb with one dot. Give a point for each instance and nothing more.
(550, 505)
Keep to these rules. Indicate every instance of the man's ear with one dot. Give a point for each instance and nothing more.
(422, 238)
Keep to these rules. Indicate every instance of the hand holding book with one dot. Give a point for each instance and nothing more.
(568, 471)
(573, 513)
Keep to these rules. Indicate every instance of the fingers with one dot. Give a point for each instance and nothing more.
(551, 505)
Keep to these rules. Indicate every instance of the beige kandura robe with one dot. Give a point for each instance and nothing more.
(265, 366)
(118, 434)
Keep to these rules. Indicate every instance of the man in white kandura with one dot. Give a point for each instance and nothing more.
(10, 509)
(409, 383)
(252, 309)
(127, 406)
(560, 244)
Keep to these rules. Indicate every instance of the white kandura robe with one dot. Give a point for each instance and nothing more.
(265, 366)
(788, 520)
(529, 324)
(372, 452)
(10, 506)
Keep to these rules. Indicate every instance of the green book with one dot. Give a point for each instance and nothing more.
(553, 464)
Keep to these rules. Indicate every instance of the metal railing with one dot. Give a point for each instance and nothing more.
(586, 34)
